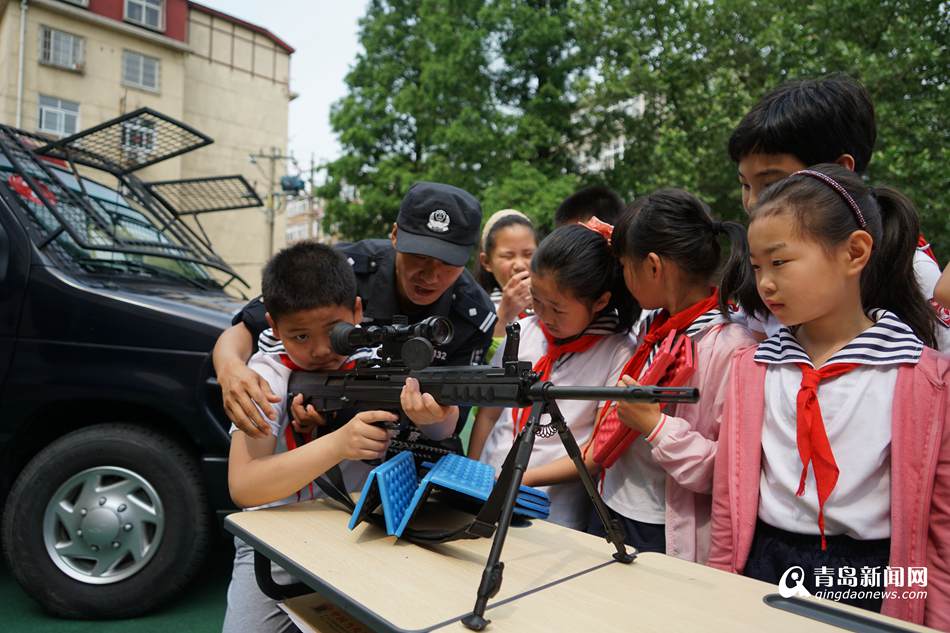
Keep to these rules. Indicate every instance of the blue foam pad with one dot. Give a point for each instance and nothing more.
(531, 513)
(471, 478)
(529, 503)
(535, 495)
(391, 484)
(463, 475)
(528, 496)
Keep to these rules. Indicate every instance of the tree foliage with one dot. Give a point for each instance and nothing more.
(516, 100)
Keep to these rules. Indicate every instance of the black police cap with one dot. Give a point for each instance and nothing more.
(440, 221)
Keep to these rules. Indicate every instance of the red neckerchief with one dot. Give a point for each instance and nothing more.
(290, 437)
(813, 444)
(289, 363)
(545, 364)
(662, 325)
(659, 328)
(924, 245)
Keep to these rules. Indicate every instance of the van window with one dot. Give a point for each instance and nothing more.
(125, 217)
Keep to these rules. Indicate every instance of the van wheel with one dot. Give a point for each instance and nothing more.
(109, 521)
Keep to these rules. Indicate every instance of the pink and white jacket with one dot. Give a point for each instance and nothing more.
(686, 443)
(920, 479)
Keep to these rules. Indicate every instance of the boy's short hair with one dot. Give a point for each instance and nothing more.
(581, 205)
(305, 276)
(815, 120)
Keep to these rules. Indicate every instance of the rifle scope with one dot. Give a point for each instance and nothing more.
(410, 344)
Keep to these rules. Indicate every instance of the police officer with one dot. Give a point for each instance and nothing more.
(418, 272)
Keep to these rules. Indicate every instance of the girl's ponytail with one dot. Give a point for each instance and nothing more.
(678, 226)
(628, 310)
(888, 281)
(738, 280)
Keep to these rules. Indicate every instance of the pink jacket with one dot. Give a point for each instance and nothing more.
(920, 479)
(685, 446)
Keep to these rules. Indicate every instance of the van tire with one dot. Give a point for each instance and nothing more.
(139, 454)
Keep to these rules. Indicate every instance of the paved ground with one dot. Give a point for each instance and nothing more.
(199, 610)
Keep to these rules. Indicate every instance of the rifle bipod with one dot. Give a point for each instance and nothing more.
(509, 481)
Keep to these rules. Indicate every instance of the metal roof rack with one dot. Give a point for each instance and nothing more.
(56, 209)
(128, 142)
(191, 196)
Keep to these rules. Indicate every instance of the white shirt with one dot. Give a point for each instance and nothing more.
(856, 408)
(635, 486)
(927, 273)
(598, 366)
(277, 375)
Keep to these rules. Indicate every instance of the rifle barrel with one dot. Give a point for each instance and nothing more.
(549, 391)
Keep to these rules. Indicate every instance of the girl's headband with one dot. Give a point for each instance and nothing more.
(831, 182)
(497, 215)
(597, 225)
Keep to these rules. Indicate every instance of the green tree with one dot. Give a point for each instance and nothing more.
(414, 111)
(515, 99)
(470, 92)
(699, 66)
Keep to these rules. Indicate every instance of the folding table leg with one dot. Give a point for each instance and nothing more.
(270, 587)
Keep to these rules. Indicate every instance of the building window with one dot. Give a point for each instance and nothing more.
(147, 13)
(140, 71)
(58, 48)
(58, 116)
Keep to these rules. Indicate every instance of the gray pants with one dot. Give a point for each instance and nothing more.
(249, 610)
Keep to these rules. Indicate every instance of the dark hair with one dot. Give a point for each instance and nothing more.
(678, 226)
(485, 278)
(581, 205)
(822, 213)
(582, 263)
(815, 120)
(307, 275)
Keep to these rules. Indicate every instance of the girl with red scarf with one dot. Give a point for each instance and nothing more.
(579, 335)
(834, 451)
(659, 488)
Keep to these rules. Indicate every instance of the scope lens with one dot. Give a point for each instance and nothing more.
(440, 330)
(340, 338)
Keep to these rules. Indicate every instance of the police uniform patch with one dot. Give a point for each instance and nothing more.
(439, 221)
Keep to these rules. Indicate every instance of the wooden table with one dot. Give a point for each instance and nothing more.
(555, 579)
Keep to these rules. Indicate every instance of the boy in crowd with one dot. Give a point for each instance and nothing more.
(582, 205)
(812, 121)
(307, 289)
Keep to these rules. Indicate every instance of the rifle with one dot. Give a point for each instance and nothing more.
(377, 383)
(406, 352)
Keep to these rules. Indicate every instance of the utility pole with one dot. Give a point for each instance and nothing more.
(270, 209)
(312, 201)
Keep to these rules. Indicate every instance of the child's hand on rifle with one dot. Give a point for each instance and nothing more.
(436, 421)
(639, 416)
(305, 419)
(361, 438)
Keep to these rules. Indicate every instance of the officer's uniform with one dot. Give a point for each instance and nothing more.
(435, 220)
(466, 304)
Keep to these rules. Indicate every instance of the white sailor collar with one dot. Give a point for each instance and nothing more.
(888, 341)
